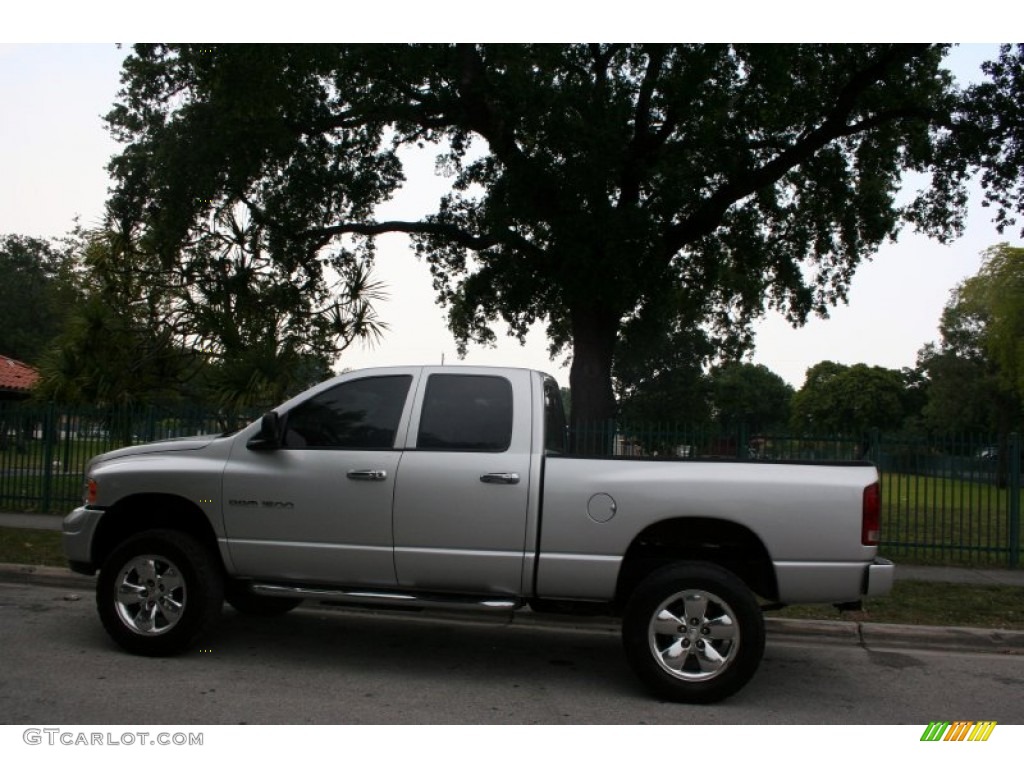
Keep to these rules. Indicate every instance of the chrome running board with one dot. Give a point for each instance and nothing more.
(394, 599)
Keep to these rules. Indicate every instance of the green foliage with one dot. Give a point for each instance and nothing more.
(37, 292)
(851, 400)
(731, 396)
(996, 295)
(987, 133)
(266, 327)
(108, 357)
(962, 393)
(221, 322)
(976, 373)
(750, 395)
(603, 188)
(114, 348)
(660, 378)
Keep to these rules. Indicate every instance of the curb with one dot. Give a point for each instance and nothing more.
(45, 576)
(943, 638)
(865, 634)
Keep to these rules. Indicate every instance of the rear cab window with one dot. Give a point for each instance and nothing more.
(466, 412)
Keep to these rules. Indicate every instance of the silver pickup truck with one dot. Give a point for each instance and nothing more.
(451, 486)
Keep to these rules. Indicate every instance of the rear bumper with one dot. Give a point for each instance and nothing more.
(817, 582)
(879, 578)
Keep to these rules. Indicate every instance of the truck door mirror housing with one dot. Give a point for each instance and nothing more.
(270, 436)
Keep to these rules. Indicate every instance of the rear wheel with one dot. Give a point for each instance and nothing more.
(693, 632)
(159, 592)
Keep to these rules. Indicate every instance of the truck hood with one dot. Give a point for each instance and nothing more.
(161, 446)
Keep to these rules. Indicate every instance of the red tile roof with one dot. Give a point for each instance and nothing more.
(16, 376)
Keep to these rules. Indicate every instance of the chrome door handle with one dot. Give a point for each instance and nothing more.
(500, 478)
(367, 474)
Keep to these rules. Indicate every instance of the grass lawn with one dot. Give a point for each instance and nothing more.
(939, 520)
(30, 547)
(930, 603)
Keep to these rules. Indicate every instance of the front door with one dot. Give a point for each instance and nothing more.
(319, 508)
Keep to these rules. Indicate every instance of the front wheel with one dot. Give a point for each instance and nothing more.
(693, 632)
(158, 592)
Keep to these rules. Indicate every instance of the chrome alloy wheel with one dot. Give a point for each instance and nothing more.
(150, 595)
(694, 635)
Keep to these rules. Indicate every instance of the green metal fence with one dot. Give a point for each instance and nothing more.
(954, 499)
(44, 449)
(946, 499)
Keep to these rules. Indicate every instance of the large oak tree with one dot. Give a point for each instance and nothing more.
(614, 191)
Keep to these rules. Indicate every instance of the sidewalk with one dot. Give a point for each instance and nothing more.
(36, 522)
(865, 634)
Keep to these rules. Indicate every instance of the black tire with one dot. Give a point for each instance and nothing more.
(242, 600)
(159, 592)
(693, 633)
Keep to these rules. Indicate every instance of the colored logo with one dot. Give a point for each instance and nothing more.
(959, 730)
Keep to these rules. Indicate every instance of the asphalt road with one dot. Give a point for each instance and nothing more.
(325, 666)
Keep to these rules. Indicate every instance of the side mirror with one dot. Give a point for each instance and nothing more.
(270, 436)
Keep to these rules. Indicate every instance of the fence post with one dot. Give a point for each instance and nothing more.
(1014, 499)
(150, 425)
(49, 434)
(70, 423)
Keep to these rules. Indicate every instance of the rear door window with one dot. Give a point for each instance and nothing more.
(463, 412)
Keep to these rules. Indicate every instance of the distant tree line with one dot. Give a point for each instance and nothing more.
(970, 381)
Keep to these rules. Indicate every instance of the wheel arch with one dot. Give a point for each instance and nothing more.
(146, 511)
(699, 539)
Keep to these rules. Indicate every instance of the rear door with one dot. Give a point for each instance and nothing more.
(461, 501)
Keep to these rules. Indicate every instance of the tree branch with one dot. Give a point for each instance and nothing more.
(706, 218)
(642, 143)
(447, 231)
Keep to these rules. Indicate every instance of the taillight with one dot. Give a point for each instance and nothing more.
(871, 516)
(91, 491)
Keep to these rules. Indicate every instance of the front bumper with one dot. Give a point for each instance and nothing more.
(78, 531)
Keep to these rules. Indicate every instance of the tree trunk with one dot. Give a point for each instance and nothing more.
(594, 334)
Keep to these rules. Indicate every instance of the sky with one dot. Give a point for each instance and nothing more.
(54, 149)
